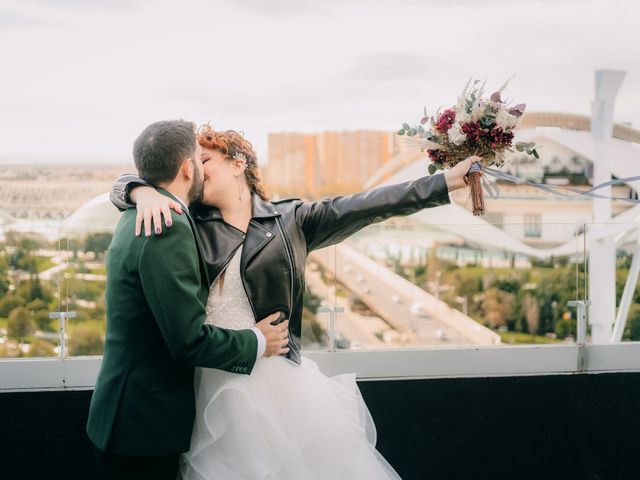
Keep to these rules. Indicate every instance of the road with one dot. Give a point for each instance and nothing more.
(429, 322)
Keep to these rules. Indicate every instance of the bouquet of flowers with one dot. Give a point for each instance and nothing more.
(475, 125)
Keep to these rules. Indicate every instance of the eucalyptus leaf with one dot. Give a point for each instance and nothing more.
(535, 153)
(432, 169)
(401, 131)
(406, 126)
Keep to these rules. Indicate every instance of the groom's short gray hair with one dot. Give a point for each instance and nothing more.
(161, 148)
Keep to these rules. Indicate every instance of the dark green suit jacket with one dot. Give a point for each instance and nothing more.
(157, 287)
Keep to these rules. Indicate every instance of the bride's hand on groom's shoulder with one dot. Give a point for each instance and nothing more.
(151, 207)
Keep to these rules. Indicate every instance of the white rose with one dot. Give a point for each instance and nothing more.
(505, 120)
(455, 135)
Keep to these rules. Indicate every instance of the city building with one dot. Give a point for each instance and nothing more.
(327, 163)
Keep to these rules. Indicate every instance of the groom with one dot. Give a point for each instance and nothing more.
(142, 410)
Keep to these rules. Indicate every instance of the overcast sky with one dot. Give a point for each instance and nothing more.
(81, 78)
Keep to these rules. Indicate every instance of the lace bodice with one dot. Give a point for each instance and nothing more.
(230, 308)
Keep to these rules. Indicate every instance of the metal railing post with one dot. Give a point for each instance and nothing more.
(581, 334)
(333, 311)
(62, 329)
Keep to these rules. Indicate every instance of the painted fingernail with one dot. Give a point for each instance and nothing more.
(158, 231)
(169, 223)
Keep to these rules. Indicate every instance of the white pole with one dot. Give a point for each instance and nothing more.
(602, 274)
(627, 296)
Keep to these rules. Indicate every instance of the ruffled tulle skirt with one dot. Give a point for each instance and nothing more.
(281, 422)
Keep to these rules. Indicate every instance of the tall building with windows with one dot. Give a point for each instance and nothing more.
(327, 163)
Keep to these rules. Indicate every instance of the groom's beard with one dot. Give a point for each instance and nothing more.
(197, 187)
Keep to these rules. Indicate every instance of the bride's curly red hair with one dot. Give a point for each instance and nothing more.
(231, 143)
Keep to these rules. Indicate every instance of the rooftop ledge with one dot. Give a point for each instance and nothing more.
(79, 373)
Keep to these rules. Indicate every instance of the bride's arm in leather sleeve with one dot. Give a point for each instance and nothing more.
(331, 220)
(121, 190)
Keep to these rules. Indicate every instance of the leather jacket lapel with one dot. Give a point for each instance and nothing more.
(258, 235)
(203, 268)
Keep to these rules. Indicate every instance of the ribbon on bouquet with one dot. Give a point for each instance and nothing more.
(491, 187)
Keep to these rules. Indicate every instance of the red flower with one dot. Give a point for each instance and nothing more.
(474, 132)
(437, 156)
(446, 120)
(497, 136)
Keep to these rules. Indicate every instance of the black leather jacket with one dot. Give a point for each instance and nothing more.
(283, 232)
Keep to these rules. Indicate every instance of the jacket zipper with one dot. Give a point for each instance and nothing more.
(290, 257)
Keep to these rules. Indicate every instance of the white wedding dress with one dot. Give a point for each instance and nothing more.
(281, 422)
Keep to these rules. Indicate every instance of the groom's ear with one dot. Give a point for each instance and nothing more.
(187, 168)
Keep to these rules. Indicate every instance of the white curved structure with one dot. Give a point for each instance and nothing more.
(625, 162)
(97, 215)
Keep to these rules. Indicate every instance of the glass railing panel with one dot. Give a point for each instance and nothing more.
(29, 268)
(320, 299)
(460, 285)
(613, 263)
(82, 284)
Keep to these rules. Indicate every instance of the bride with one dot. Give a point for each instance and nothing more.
(286, 420)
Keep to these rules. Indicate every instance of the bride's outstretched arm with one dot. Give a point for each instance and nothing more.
(331, 220)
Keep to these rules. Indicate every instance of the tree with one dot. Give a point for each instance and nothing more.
(98, 243)
(567, 326)
(40, 348)
(20, 324)
(632, 328)
(531, 312)
(40, 314)
(33, 289)
(8, 303)
(85, 340)
(497, 306)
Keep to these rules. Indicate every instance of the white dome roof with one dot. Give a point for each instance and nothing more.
(98, 214)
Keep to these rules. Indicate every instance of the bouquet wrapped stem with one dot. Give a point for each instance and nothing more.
(475, 184)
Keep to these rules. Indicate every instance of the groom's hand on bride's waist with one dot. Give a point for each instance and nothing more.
(276, 336)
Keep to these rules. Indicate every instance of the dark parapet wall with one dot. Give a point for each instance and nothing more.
(543, 427)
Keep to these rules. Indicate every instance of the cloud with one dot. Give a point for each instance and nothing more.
(95, 73)
(13, 19)
(294, 8)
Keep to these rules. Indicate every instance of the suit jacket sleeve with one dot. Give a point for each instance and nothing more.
(121, 189)
(331, 220)
(170, 276)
